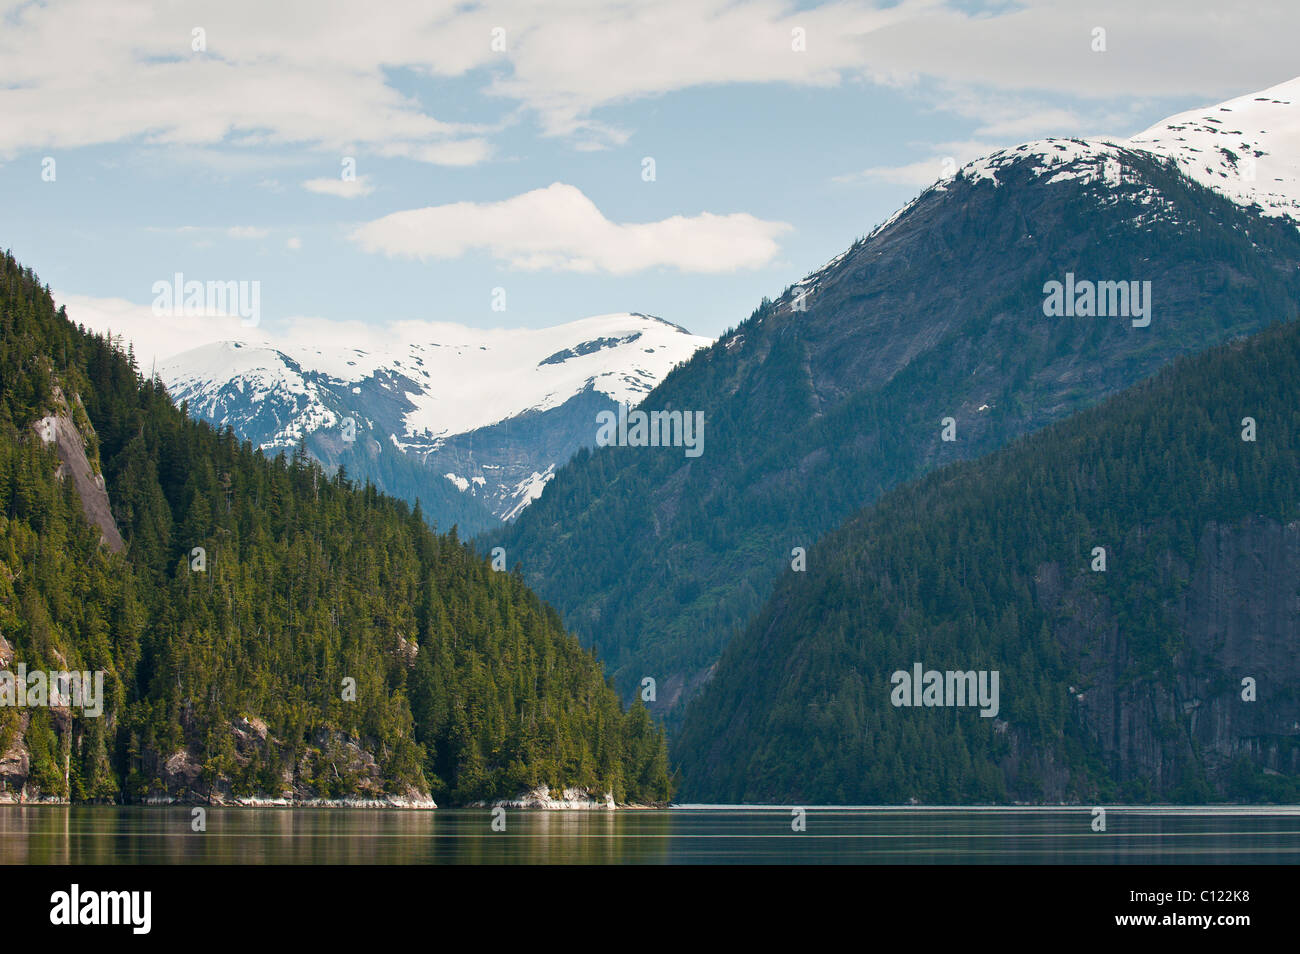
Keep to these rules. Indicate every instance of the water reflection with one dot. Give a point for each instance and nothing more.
(33, 834)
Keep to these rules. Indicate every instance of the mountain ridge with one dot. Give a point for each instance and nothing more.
(837, 389)
(471, 422)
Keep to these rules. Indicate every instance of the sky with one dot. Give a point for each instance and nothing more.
(510, 165)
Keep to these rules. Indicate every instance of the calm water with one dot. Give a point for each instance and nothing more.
(110, 835)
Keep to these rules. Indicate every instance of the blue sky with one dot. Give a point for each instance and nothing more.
(481, 168)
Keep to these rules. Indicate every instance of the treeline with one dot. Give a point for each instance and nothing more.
(254, 593)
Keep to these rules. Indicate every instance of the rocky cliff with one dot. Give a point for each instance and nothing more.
(1238, 618)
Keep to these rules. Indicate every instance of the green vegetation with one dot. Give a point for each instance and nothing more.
(467, 685)
(1121, 684)
(657, 560)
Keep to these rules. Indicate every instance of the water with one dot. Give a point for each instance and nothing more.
(33, 834)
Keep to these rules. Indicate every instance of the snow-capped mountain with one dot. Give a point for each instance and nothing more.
(472, 422)
(1247, 149)
(832, 393)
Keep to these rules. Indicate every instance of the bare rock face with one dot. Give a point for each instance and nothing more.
(1233, 624)
(60, 431)
(181, 770)
(332, 764)
(1240, 624)
(15, 761)
(543, 798)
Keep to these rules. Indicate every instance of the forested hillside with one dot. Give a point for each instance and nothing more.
(229, 670)
(1167, 672)
(838, 390)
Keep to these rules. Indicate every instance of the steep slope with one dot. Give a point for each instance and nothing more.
(838, 389)
(266, 631)
(1168, 672)
(471, 424)
(61, 431)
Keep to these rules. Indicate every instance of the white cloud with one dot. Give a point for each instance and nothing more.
(461, 152)
(575, 57)
(201, 235)
(78, 73)
(1153, 49)
(155, 336)
(294, 243)
(1001, 120)
(340, 187)
(920, 173)
(943, 159)
(558, 227)
(160, 338)
(321, 72)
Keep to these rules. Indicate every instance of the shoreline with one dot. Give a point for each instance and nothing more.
(529, 801)
(519, 802)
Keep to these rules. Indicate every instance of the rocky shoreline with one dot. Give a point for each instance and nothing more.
(404, 802)
(539, 799)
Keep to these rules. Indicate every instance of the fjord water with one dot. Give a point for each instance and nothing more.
(37, 834)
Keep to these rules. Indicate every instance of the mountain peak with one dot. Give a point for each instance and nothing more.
(1248, 148)
(444, 396)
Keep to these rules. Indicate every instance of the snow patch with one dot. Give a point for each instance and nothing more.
(528, 490)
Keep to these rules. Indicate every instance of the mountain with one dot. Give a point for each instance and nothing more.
(1248, 147)
(1130, 575)
(472, 423)
(947, 320)
(252, 627)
